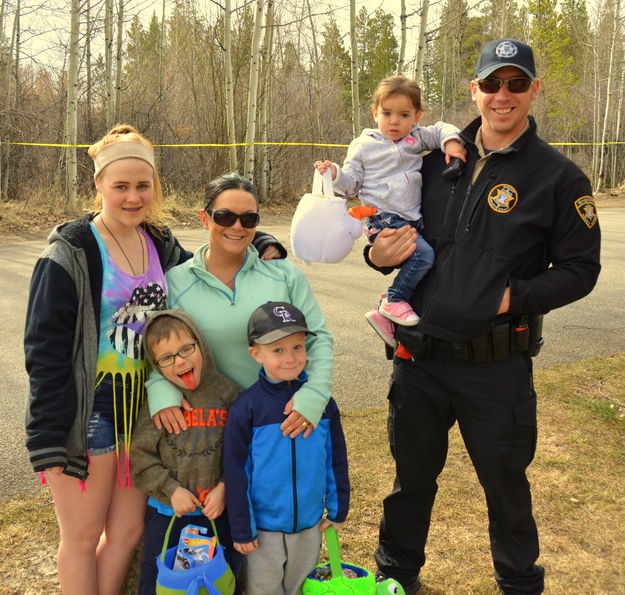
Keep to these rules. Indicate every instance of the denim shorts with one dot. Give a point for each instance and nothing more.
(101, 435)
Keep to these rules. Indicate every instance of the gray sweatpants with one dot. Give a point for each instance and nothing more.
(282, 561)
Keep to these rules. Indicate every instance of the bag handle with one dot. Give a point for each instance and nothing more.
(322, 185)
(334, 552)
(168, 532)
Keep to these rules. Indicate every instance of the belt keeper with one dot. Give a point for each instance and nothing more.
(501, 342)
(480, 350)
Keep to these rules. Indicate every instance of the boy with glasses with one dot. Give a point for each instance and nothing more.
(516, 235)
(182, 473)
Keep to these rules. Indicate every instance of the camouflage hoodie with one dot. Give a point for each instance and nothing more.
(160, 461)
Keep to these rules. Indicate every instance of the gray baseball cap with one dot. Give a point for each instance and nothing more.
(505, 52)
(274, 321)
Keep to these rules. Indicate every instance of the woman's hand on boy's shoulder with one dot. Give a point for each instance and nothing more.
(172, 418)
(246, 548)
(295, 423)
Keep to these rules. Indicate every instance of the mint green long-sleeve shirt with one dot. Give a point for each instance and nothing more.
(222, 315)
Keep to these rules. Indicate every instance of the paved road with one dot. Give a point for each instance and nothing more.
(345, 291)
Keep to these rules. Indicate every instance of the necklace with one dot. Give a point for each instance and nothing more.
(123, 251)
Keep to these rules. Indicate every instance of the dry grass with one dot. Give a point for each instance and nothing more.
(578, 477)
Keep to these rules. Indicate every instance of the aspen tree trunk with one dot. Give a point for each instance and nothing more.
(402, 44)
(354, 70)
(315, 91)
(600, 180)
(418, 69)
(161, 83)
(71, 205)
(11, 99)
(89, 95)
(230, 122)
(615, 178)
(595, 114)
(265, 102)
(108, 62)
(3, 69)
(118, 62)
(252, 97)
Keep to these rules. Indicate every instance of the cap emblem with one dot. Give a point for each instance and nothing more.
(283, 313)
(506, 49)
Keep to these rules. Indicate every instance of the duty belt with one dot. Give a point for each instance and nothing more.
(498, 344)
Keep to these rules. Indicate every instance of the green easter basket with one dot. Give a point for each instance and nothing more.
(337, 577)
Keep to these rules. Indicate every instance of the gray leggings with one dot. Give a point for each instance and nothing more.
(282, 561)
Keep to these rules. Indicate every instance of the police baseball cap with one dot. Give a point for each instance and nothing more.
(273, 321)
(505, 52)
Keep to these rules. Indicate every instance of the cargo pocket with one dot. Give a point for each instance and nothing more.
(525, 431)
(390, 421)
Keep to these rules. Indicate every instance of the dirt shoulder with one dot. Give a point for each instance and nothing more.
(31, 220)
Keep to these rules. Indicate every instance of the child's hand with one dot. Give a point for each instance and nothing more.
(454, 148)
(245, 548)
(183, 501)
(215, 502)
(171, 418)
(322, 166)
(325, 523)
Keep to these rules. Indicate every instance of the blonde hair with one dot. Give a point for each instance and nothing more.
(398, 85)
(155, 216)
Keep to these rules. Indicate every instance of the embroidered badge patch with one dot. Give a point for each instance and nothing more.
(506, 49)
(587, 210)
(502, 198)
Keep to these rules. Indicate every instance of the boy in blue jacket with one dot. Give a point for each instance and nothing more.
(277, 487)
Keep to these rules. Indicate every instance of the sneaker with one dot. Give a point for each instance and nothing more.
(409, 588)
(399, 312)
(383, 326)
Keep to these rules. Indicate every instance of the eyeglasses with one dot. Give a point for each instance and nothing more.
(515, 85)
(226, 218)
(184, 352)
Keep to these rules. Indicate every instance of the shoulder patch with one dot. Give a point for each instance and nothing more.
(502, 198)
(587, 210)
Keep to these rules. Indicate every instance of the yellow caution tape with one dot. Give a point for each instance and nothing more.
(67, 146)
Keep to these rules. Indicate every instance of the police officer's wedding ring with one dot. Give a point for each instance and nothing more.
(305, 424)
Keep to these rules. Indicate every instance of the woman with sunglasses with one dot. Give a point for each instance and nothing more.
(223, 284)
(91, 291)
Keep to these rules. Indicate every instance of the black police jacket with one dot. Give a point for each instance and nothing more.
(528, 222)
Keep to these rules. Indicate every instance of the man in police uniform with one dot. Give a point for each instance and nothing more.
(515, 235)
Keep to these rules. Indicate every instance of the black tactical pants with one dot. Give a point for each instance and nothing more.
(495, 406)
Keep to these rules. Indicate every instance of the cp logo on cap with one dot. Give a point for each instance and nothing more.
(506, 49)
(283, 313)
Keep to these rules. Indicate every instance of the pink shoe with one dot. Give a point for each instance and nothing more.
(384, 327)
(399, 312)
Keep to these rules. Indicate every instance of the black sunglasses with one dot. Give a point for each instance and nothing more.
(226, 218)
(515, 85)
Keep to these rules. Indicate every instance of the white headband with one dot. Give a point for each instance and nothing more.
(122, 150)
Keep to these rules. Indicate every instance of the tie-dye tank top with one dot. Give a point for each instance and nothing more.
(122, 367)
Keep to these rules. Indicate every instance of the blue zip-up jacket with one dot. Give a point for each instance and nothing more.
(277, 483)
